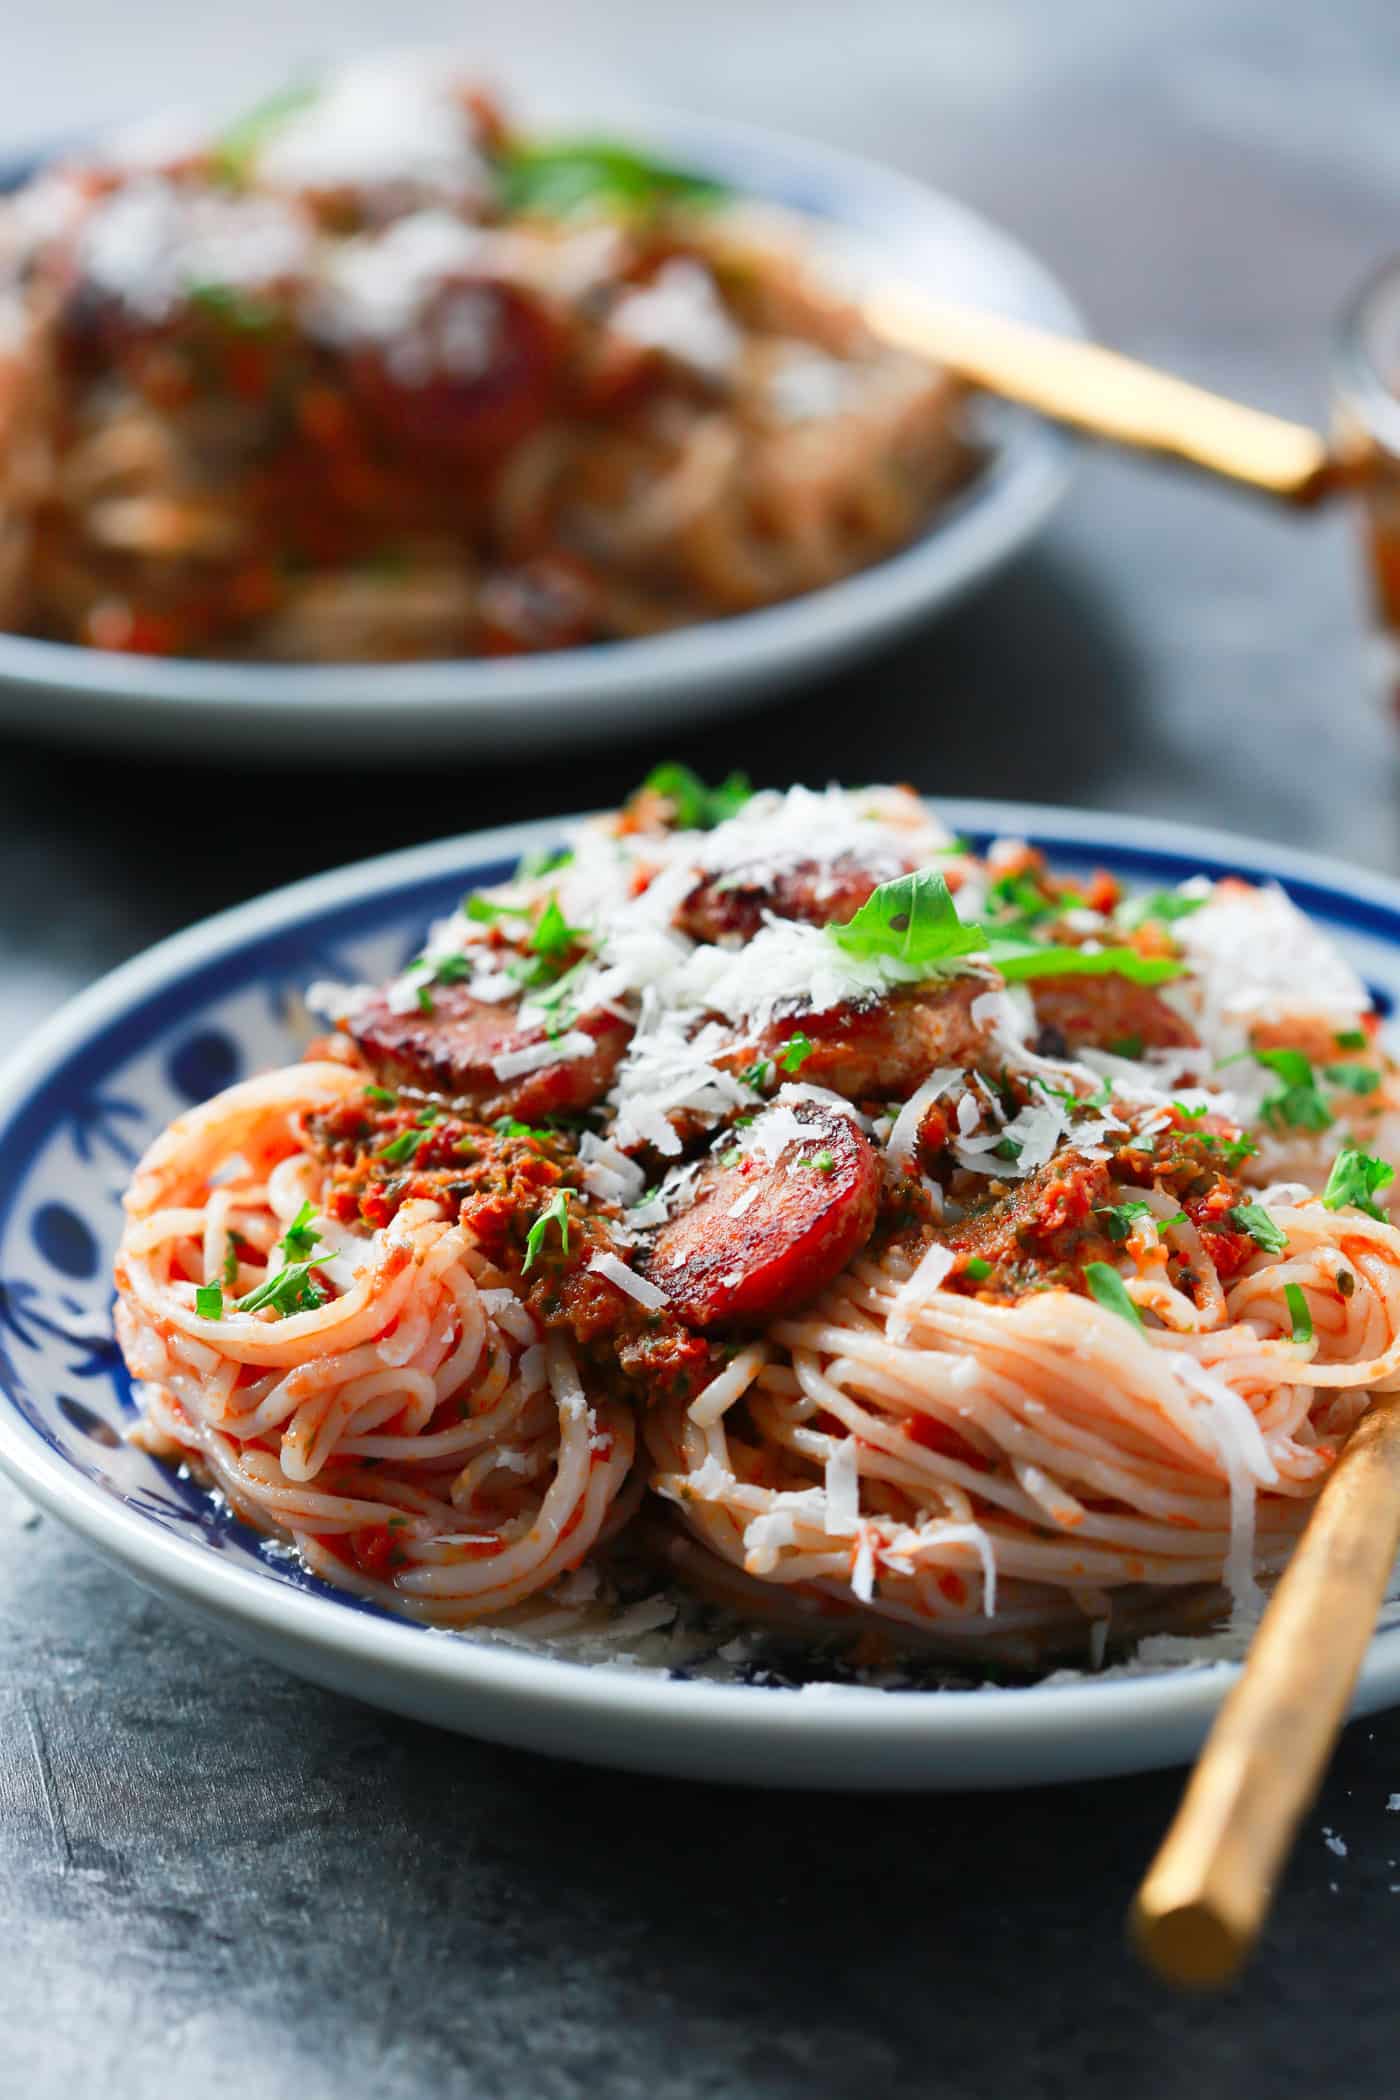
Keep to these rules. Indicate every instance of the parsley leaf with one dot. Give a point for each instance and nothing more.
(912, 919)
(1298, 1312)
(1357, 1079)
(977, 1268)
(574, 175)
(301, 1235)
(1120, 1218)
(485, 913)
(1357, 1178)
(823, 1162)
(1020, 960)
(758, 1074)
(510, 1126)
(289, 1291)
(236, 151)
(534, 865)
(1265, 1231)
(1108, 1287)
(552, 934)
(1298, 1102)
(1351, 1039)
(401, 1148)
(230, 1271)
(1126, 1046)
(1162, 905)
(209, 1301)
(796, 1051)
(697, 807)
(384, 1095)
(555, 1212)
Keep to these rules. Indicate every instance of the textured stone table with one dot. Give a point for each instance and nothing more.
(215, 1880)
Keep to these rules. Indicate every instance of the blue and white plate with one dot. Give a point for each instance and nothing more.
(79, 1103)
(880, 226)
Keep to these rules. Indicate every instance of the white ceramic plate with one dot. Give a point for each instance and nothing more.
(92, 1088)
(198, 1011)
(883, 224)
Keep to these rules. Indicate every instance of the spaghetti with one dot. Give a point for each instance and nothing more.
(904, 1226)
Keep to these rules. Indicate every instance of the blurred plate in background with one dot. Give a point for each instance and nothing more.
(875, 223)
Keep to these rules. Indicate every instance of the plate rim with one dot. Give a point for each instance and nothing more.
(983, 525)
(1175, 1704)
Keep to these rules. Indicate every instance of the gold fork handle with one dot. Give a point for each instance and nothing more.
(1108, 395)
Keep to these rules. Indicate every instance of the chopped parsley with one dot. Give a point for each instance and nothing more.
(510, 1126)
(552, 934)
(1357, 1178)
(384, 1095)
(1108, 1287)
(822, 1162)
(236, 151)
(555, 1212)
(1020, 960)
(301, 1235)
(697, 807)
(401, 1148)
(758, 1074)
(1357, 1079)
(978, 1269)
(485, 913)
(1298, 1101)
(231, 1245)
(1351, 1039)
(425, 999)
(1265, 1231)
(796, 1052)
(1120, 1218)
(533, 865)
(732, 1157)
(1164, 906)
(209, 1301)
(1126, 1046)
(1298, 1312)
(582, 174)
(289, 1291)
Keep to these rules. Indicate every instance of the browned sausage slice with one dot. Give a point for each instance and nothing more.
(771, 1228)
(453, 1050)
(1098, 1012)
(822, 893)
(883, 1051)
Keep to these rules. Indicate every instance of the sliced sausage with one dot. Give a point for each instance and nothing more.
(821, 893)
(453, 1050)
(1096, 1013)
(770, 1229)
(882, 1052)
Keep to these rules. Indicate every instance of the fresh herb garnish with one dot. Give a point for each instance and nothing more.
(1298, 1312)
(425, 999)
(555, 1212)
(758, 1074)
(697, 807)
(1165, 906)
(401, 1148)
(1126, 1046)
(235, 152)
(1019, 961)
(911, 919)
(796, 1051)
(1351, 1039)
(1108, 1287)
(533, 865)
(289, 1291)
(732, 1157)
(552, 934)
(1357, 1178)
(209, 1301)
(1265, 1231)
(510, 1126)
(384, 1095)
(231, 1245)
(823, 1162)
(485, 913)
(301, 1235)
(1357, 1079)
(978, 1269)
(234, 308)
(1120, 1218)
(1298, 1103)
(573, 175)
